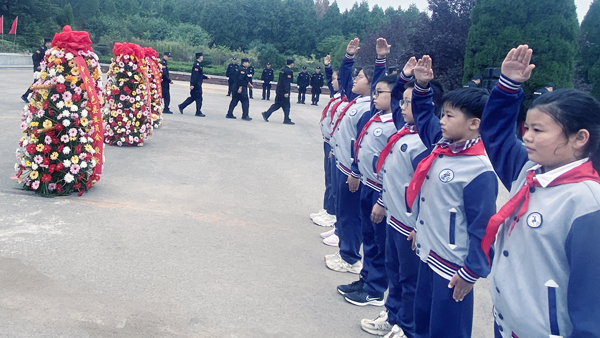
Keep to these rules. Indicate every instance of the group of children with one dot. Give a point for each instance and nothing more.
(418, 192)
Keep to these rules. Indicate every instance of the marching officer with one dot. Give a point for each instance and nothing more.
(243, 81)
(165, 82)
(231, 73)
(37, 58)
(316, 82)
(195, 86)
(282, 93)
(266, 77)
(302, 82)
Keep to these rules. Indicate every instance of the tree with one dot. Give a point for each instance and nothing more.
(549, 27)
(589, 48)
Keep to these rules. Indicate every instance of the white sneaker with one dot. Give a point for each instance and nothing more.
(326, 220)
(343, 266)
(332, 240)
(396, 332)
(334, 257)
(318, 214)
(327, 233)
(378, 326)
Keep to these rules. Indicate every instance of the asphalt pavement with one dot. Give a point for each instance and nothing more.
(202, 232)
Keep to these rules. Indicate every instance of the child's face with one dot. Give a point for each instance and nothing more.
(456, 126)
(335, 84)
(407, 107)
(545, 141)
(382, 97)
(361, 85)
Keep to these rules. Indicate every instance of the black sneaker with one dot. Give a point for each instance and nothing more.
(263, 98)
(246, 118)
(264, 114)
(362, 298)
(352, 287)
(166, 111)
(230, 116)
(288, 122)
(200, 114)
(180, 109)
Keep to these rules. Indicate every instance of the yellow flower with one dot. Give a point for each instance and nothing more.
(137, 123)
(75, 159)
(47, 124)
(72, 138)
(33, 140)
(43, 75)
(119, 123)
(68, 103)
(22, 138)
(139, 115)
(28, 163)
(54, 156)
(72, 63)
(60, 68)
(39, 147)
(45, 95)
(34, 124)
(88, 147)
(83, 121)
(114, 113)
(34, 174)
(51, 59)
(75, 71)
(74, 78)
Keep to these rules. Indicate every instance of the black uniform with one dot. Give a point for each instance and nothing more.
(286, 77)
(250, 75)
(241, 81)
(316, 82)
(196, 93)
(540, 92)
(165, 84)
(303, 82)
(266, 77)
(37, 58)
(232, 70)
(471, 84)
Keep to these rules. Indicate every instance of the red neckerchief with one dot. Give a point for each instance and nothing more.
(342, 115)
(584, 172)
(423, 168)
(388, 147)
(376, 118)
(335, 107)
(324, 114)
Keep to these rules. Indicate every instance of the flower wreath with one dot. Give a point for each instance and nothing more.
(154, 75)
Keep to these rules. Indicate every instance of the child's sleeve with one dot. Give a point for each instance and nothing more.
(480, 205)
(498, 126)
(423, 111)
(583, 291)
(329, 77)
(345, 77)
(397, 95)
(378, 73)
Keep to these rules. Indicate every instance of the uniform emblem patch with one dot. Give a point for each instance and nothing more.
(535, 220)
(289, 76)
(446, 175)
(353, 112)
(196, 69)
(377, 132)
(404, 147)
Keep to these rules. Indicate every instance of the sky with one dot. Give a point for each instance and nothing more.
(582, 5)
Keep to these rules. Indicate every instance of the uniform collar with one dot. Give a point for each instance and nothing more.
(546, 178)
(457, 147)
(363, 99)
(385, 117)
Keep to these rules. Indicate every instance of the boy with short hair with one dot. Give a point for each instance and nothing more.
(458, 189)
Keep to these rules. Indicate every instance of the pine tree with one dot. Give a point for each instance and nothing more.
(549, 27)
(589, 44)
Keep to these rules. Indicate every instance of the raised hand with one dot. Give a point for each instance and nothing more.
(382, 48)
(409, 67)
(352, 47)
(516, 65)
(423, 71)
(327, 60)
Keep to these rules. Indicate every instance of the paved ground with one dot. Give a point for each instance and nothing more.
(203, 232)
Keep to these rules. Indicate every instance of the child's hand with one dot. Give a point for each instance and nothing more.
(409, 67)
(327, 60)
(461, 287)
(377, 213)
(516, 65)
(412, 237)
(353, 183)
(423, 71)
(382, 48)
(353, 46)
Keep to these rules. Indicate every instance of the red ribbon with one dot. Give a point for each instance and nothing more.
(388, 147)
(72, 41)
(342, 115)
(324, 113)
(360, 138)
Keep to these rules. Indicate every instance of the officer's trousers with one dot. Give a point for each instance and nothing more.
(266, 91)
(243, 98)
(195, 95)
(283, 103)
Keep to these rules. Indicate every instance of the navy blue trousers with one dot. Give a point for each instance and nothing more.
(348, 227)
(437, 314)
(329, 198)
(373, 234)
(402, 268)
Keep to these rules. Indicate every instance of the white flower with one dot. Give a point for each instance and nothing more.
(84, 113)
(69, 178)
(52, 72)
(60, 79)
(36, 75)
(68, 56)
(60, 104)
(66, 122)
(34, 166)
(17, 167)
(66, 151)
(83, 164)
(83, 139)
(67, 163)
(74, 108)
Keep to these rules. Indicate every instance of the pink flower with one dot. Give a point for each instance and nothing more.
(52, 186)
(35, 185)
(38, 159)
(47, 139)
(67, 95)
(74, 169)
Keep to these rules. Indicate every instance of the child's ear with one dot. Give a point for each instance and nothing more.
(580, 139)
(474, 123)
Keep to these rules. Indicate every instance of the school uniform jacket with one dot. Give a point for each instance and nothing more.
(545, 279)
(326, 123)
(456, 202)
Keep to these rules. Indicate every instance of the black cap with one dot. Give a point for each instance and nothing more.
(477, 77)
(550, 84)
(199, 55)
(318, 67)
(268, 63)
(245, 60)
(167, 54)
(234, 58)
(289, 61)
(303, 67)
(46, 40)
